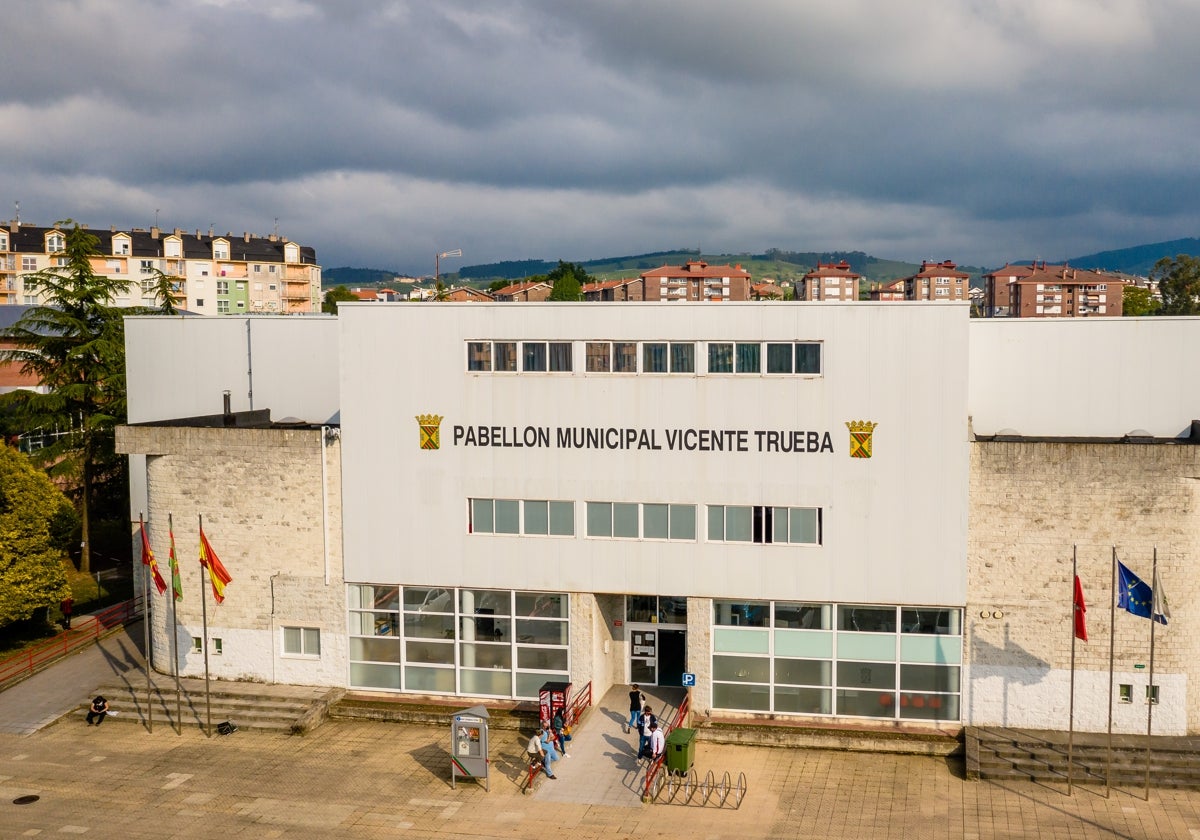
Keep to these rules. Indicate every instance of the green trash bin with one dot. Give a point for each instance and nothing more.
(681, 751)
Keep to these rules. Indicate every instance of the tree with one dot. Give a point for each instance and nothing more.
(74, 344)
(166, 286)
(334, 296)
(1138, 300)
(1178, 280)
(567, 280)
(32, 511)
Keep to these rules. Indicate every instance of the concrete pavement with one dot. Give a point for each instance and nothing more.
(370, 780)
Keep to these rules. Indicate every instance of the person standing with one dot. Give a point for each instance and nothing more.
(537, 754)
(647, 720)
(98, 710)
(636, 701)
(67, 607)
(550, 754)
(657, 742)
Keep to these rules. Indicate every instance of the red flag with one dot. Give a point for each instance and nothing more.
(148, 560)
(216, 571)
(1080, 612)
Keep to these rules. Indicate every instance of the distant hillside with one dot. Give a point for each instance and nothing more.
(353, 278)
(1139, 259)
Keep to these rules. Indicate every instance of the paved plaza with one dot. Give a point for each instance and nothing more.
(371, 780)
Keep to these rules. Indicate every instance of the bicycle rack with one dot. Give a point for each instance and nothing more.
(690, 789)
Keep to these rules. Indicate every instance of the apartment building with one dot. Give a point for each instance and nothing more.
(629, 288)
(216, 275)
(891, 290)
(829, 281)
(529, 291)
(697, 280)
(1052, 291)
(940, 281)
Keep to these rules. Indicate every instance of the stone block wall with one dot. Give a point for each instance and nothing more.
(273, 517)
(1030, 504)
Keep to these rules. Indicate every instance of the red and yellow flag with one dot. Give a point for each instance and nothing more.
(148, 560)
(176, 583)
(216, 571)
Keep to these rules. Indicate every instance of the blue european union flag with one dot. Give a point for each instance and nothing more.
(1135, 595)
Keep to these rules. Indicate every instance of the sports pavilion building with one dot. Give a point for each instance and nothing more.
(823, 513)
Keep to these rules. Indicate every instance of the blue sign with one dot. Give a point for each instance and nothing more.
(689, 680)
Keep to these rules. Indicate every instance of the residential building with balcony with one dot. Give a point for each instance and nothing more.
(628, 288)
(697, 280)
(940, 281)
(215, 275)
(829, 281)
(1039, 290)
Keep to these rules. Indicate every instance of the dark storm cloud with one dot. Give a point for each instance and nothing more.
(381, 132)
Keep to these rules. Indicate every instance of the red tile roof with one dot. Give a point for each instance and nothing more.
(699, 269)
(841, 269)
(517, 288)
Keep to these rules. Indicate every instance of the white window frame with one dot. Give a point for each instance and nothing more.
(303, 653)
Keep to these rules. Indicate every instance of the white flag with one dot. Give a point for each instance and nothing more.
(1161, 611)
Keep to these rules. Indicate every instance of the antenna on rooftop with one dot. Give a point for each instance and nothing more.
(277, 226)
(17, 208)
(156, 217)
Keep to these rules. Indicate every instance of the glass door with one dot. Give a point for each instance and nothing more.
(643, 656)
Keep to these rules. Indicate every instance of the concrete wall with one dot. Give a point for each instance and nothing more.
(406, 506)
(1030, 503)
(260, 493)
(1082, 377)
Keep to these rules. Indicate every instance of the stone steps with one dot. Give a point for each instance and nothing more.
(1025, 755)
(251, 706)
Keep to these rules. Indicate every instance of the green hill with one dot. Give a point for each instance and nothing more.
(1139, 259)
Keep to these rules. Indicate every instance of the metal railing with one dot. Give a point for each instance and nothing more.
(655, 766)
(575, 709)
(86, 631)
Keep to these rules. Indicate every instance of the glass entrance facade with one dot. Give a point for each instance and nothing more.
(486, 642)
(848, 660)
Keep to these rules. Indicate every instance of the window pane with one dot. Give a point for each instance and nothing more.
(741, 613)
(752, 698)
(437, 653)
(485, 628)
(683, 522)
(599, 519)
(749, 358)
(867, 619)
(880, 675)
(742, 669)
(641, 607)
(372, 624)
(625, 520)
(482, 520)
(737, 523)
(312, 641)
(541, 659)
(654, 358)
(654, 522)
(624, 357)
(942, 622)
(485, 655)
(533, 355)
(428, 626)
(419, 599)
(810, 701)
(479, 355)
(291, 639)
(546, 604)
(560, 356)
(536, 517)
(429, 679)
(720, 358)
(804, 671)
(508, 516)
(866, 703)
(779, 525)
(804, 526)
(484, 601)
(375, 650)
(505, 355)
(530, 632)
(562, 519)
(683, 358)
(716, 523)
(928, 678)
(804, 616)
(375, 676)
(597, 357)
(498, 682)
(929, 707)
(808, 357)
(779, 358)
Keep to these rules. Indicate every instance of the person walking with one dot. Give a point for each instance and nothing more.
(658, 742)
(636, 701)
(647, 720)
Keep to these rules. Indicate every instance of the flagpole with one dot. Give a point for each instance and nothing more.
(204, 615)
(146, 618)
(175, 626)
(1071, 705)
(1150, 687)
(1112, 630)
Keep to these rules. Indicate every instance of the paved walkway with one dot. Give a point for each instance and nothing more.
(351, 779)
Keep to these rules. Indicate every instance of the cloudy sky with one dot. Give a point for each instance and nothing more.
(383, 131)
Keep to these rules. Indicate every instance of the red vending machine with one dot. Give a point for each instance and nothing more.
(553, 697)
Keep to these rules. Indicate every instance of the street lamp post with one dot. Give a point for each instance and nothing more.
(437, 269)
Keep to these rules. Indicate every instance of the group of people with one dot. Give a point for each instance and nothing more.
(549, 743)
(651, 741)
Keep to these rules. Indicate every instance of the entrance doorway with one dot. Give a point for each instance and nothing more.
(657, 655)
